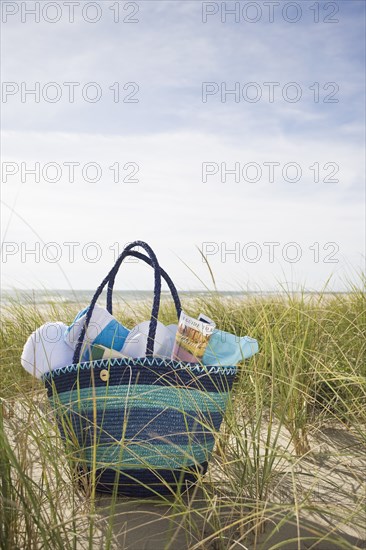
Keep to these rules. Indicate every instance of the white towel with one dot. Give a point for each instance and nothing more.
(46, 350)
(103, 329)
(136, 341)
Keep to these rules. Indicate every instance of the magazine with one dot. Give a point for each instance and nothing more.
(192, 338)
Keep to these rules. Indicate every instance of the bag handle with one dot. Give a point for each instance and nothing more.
(169, 282)
(111, 276)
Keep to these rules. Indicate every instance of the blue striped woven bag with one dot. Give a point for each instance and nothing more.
(140, 426)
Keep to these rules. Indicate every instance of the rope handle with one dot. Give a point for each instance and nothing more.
(111, 277)
(163, 274)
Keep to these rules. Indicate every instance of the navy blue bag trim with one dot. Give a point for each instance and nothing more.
(196, 368)
(132, 483)
(142, 371)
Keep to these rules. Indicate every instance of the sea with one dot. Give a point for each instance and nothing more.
(39, 297)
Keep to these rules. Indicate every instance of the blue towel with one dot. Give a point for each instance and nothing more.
(224, 348)
(103, 330)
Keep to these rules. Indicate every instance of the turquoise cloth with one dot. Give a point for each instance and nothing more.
(227, 349)
(110, 333)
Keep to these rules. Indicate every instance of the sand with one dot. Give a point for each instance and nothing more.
(337, 457)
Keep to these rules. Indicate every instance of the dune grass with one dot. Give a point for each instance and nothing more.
(288, 466)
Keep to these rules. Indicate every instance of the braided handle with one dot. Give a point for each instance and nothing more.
(111, 277)
(164, 275)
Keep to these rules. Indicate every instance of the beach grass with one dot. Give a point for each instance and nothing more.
(289, 461)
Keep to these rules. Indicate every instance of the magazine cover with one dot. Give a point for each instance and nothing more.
(191, 339)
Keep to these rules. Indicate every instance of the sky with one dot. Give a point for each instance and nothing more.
(232, 129)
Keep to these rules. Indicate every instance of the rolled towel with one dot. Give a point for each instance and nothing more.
(46, 350)
(227, 349)
(103, 330)
(136, 341)
(168, 341)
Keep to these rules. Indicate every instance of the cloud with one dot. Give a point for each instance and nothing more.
(172, 207)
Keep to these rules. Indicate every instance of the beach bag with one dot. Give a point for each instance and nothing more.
(138, 427)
